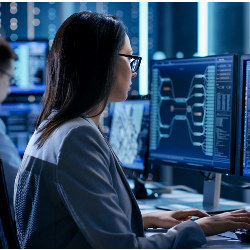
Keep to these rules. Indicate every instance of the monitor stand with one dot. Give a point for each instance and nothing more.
(211, 195)
(211, 191)
(141, 192)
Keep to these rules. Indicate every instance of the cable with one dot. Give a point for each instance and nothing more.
(243, 186)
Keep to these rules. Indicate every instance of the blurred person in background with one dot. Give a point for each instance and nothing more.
(8, 152)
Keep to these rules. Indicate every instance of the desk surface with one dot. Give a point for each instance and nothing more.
(182, 200)
(215, 242)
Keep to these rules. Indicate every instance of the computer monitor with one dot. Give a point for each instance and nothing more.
(243, 137)
(129, 133)
(20, 121)
(193, 117)
(193, 112)
(129, 137)
(31, 66)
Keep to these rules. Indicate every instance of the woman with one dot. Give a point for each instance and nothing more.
(70, 191)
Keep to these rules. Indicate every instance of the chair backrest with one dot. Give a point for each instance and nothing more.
(9, 227)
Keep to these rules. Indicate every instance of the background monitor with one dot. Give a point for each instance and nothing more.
(244, 118)
(193, 113)
(20, 121)
(31, 66)
(129, 133)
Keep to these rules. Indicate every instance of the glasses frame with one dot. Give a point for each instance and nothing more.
(12, 78)
(131, 63)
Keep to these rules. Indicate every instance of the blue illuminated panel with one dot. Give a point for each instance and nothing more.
(30, 67)
(20, 121)
(129, 132)
(246, 148)
(191, 111)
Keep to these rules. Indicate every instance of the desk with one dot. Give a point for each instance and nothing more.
(215, 242)
(182, 200)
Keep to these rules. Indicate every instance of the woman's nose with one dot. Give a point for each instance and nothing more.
(134, 74)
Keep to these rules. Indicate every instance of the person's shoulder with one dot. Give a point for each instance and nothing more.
(80, 125)
(2, 127)
(82, 137)
(82, 129)
(68, 135)
(76, 122)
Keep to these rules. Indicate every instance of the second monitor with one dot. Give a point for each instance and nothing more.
(129, 133)
(193, 118)
(129, 140)
(193, 112)
(30, 66)
(243, 143)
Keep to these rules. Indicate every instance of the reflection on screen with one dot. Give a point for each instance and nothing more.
(129, 131)
(30, 67)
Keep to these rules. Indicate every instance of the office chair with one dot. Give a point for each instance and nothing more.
(8, 225)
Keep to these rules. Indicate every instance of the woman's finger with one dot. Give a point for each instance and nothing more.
(239, 211)
(192, 212)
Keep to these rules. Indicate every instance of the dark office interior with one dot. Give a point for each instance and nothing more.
(173, 32)
(159, 32)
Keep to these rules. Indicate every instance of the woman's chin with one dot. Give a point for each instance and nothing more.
(119, 97)
(122, 98)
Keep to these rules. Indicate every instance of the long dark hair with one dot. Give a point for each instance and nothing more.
(80, 68)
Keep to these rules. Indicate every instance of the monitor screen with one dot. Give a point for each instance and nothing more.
(193, 113)
(20, 121)
(129, 132)
(245, 81)
(30, 67)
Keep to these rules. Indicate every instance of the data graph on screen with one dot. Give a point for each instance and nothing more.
(191, 110)
(246, 147)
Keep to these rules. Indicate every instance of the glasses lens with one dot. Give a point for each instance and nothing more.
(12, 81)
(135, 65)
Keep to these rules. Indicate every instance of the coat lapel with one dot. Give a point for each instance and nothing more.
(138, 216)
(131, 194)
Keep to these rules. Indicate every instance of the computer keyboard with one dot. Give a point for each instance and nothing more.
(243, 235)
(239, 234)
(229, 234)
(172, 207)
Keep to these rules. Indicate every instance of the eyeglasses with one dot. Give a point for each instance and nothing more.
(135, 62)
(11, 77)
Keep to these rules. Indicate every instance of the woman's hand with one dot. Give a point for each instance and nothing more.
(226, 221)
(167, 219)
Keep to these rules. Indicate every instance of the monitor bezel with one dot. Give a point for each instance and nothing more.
(47, 53)
(241, 118)
(201, 167)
